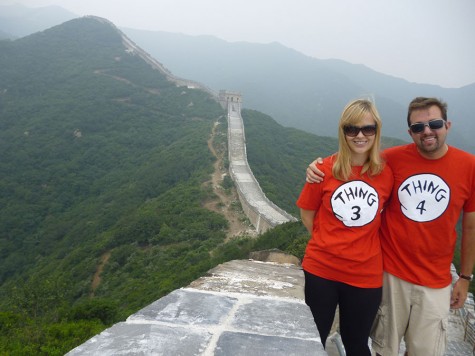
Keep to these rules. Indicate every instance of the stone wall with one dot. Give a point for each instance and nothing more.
(262, 213)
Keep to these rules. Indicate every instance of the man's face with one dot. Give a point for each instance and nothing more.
(430, 142)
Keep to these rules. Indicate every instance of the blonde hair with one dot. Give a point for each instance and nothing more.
(352, 115)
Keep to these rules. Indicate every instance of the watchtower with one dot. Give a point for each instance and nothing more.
(227, 98)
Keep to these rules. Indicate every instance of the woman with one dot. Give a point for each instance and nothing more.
(342, 263)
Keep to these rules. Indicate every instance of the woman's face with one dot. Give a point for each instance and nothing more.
(365, 132)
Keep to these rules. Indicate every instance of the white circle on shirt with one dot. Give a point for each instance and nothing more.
(355, 203)
(423, 197)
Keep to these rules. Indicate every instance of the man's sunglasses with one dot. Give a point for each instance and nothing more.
(435, 124)
(353, 131)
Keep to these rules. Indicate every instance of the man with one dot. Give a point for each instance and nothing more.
(433, 184)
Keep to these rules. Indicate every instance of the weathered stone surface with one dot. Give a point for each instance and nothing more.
(240, 308)
(254, 277)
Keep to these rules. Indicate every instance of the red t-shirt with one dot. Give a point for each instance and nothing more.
(418, 228)
(345, 243)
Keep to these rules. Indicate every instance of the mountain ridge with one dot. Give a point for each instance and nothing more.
(298, 90)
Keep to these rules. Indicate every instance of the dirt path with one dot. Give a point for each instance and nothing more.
(96, 279)
(227, 203)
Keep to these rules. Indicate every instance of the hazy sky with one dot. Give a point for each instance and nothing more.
(423, 41)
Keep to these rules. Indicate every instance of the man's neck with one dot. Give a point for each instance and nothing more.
(436, 154)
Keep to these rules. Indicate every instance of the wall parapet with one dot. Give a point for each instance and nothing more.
(262, 213)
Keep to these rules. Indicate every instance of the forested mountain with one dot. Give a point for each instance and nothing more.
(87, 127)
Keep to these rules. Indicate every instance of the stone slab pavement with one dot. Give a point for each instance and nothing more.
(239, 308)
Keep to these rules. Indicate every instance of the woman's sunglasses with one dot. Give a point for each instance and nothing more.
(435, 124)
(353, 131)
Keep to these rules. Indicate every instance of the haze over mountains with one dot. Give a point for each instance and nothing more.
(297, 90)
(301, 91)
(18, 20)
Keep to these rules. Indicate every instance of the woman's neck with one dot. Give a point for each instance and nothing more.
(359, 159)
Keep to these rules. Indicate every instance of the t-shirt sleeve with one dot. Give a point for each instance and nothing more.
(310, 197)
